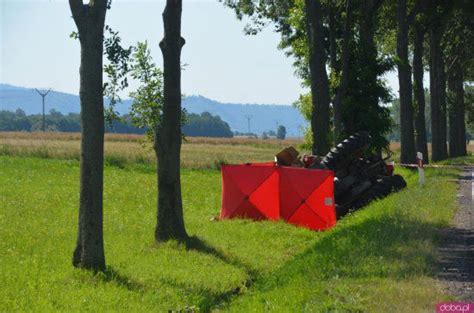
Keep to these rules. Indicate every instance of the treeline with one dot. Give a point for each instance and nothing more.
(469, 115)
(343, 49)
(202, 125)
(206, 125)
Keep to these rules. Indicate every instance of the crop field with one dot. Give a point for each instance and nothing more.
(122, 150)
(136, 150)
(379, 259)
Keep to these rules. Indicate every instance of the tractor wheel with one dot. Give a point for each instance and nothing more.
(379, 190)
(344, 152)
(341, 211)
(398, 182)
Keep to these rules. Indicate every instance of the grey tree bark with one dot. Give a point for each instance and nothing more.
(419, 92)
(170, 223)
(457, 124)
(319, 78)
(367, 31)
(332, 40)
(438, 94)
(90, 19)
(341, 92)
(407, 133)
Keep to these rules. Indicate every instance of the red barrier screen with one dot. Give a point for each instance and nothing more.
(259, 191)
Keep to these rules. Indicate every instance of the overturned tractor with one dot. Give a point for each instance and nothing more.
(359, 177)
(301, 191)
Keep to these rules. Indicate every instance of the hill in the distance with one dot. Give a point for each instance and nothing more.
(264, 117)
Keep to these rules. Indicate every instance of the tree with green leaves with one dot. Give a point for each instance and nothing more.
(318, 77)
(206, 125)
(438, 12)
(458, 47)
(157, 107)
(147, 106)
(90, 20)
(281, 132)
(363, 103)
(343, 75)
(168, 137)
(419, 32)
(311, 56)
(407, 132)
(355, 84)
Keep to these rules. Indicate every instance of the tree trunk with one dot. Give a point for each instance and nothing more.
(341, 92)
(367, 32)
(457, 126)
(438, 95)
(370, 65)
(332, 41)
(419, 92)
(319, 78)
(461, 114)
(89, 251)
(407, 137)
(170, 224)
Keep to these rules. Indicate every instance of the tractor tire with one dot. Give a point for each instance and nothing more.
(341, 211)
(379, 190)
(398, 182)
(344, 152)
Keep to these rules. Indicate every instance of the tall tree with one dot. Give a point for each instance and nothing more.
(319, 78)
(437, 82)
(357, 90)
(366, 91)
(459, 43)
(408, 153)
(170, 224)
(90, 19)
(457, 124)
(342, 88)
(418, 90)
(304, 38)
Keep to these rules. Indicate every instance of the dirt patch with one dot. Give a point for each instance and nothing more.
(457, 251)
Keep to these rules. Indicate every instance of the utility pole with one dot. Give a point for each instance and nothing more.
(248, 117)
(43, 95)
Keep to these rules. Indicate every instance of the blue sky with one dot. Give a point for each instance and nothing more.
(223, 63)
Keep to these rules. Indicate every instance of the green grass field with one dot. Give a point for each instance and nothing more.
(380, 259)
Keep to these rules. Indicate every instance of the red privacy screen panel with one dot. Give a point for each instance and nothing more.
(266, 191)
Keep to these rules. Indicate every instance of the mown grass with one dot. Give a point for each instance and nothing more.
(379, 259)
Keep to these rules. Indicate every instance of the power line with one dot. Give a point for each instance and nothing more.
(43, 95)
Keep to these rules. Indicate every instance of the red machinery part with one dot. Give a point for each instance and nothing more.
(260, 191)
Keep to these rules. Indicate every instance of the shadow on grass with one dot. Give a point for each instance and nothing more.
(211, 299)
(383, 246)
(388, 245)
(111, 275)
(197, 244)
